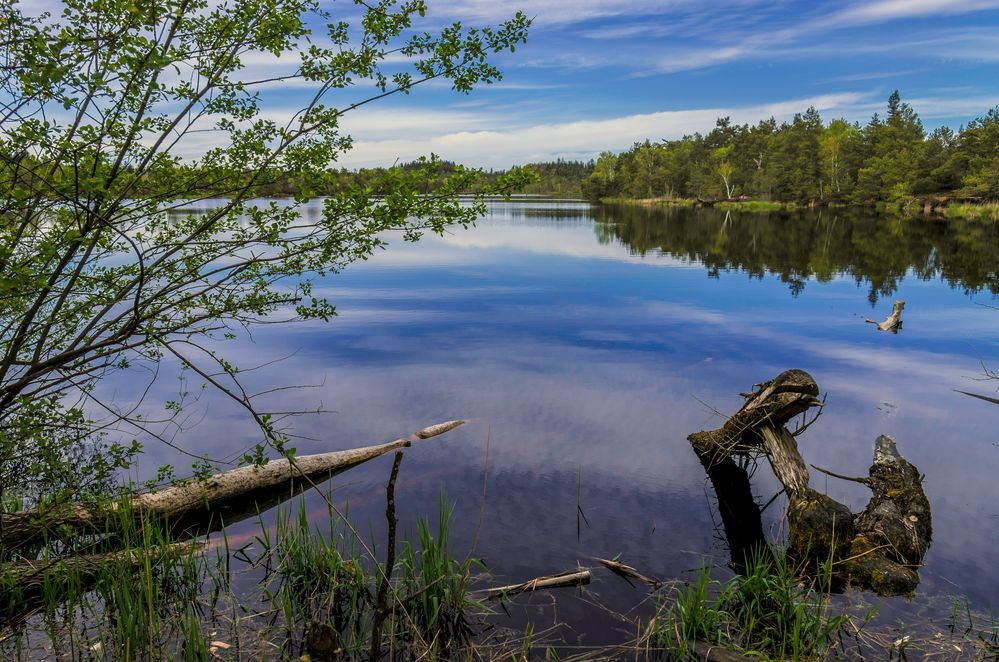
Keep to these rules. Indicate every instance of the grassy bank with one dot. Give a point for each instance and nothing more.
(725, 205)
(988, 211)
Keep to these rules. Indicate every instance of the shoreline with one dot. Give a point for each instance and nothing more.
(984, 211)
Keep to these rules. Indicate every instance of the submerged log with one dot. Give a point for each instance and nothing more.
(24, 584)
(894, 321)
(879, 548)
(225, 497)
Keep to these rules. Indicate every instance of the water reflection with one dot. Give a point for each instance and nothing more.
(822, 244)
(588, 343)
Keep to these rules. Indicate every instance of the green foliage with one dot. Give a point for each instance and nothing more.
(767, 611)
(888, 161)
(101, 270)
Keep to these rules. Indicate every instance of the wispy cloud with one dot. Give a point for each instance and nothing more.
(557, 12)
(873, 75)
(812, 32)
(579, 139)
(891, 10)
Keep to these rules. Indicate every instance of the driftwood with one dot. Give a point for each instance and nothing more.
(561, 580)
(879, 548)
(628, 572)
(894, 321)
(225, 497)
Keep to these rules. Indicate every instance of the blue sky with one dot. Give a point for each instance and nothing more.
(600, 74)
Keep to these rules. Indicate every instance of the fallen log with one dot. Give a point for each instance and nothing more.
(894, 321)
(879, 548)
(225, 497)
(561, 580)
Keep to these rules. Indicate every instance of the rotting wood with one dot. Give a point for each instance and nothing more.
(627, 572)
(224, 497)
(565, 579)
(894, 321)
(879, 548)
(773, 404)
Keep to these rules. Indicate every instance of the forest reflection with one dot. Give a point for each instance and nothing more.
(876, 250)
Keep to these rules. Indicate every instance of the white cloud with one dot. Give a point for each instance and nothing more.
(554, 12)
(578, 139)
(891, 10)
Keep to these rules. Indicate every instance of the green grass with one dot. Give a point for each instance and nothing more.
(979, 212)
(752, 206)
(768, 612)
(650, 202)
(143, 596)
(325, 584)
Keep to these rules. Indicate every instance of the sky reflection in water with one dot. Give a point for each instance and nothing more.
(586, 345)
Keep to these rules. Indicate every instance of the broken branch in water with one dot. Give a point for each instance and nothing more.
(894, 321)
(627, 571)
(561, 580)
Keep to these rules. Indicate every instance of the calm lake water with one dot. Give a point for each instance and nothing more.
(584, 344)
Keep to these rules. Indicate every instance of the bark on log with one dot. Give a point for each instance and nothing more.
(894, 321)
(772, 404)
(224, 497)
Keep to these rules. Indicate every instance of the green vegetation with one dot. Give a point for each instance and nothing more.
(891, 161)
(753, 205)
(109, 263)
(767, 612)
(321, 594)
(981, 212)
(102, 269)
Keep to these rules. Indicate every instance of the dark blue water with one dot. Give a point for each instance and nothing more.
(585, 345)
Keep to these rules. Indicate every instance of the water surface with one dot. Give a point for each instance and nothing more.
(585, 344)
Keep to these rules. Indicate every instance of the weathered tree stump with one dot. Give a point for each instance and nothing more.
(879, 548)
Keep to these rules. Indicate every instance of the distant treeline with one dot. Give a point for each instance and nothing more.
(890, 160)
(558, 178)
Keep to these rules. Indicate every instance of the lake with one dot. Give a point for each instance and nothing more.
(585, 343)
